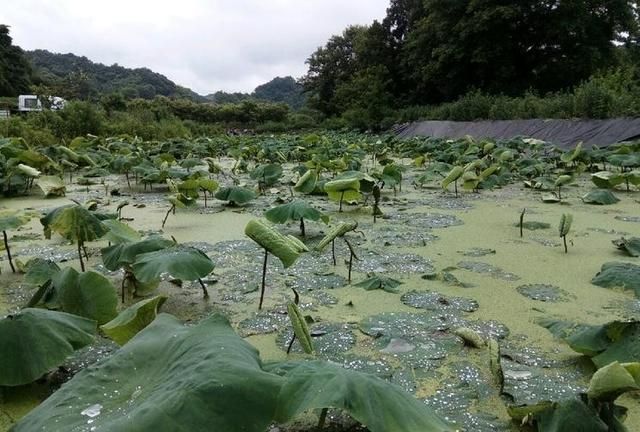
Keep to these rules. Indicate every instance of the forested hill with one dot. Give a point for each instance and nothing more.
(279, 89)
(94, 79)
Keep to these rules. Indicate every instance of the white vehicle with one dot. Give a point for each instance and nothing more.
(29, 103)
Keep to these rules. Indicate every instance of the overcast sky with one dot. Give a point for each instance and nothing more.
(230, 45)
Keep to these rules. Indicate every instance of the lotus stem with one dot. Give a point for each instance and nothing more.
(122, 286)
(6, 246)
(293, 338)
(341, 197)
(302, 227)
(264, 277)
(323, 418)
(204, 288)
(333, 252)
(128, 182)
(564, 239)
(522, 220)
(455, 187)
(167, 215)
(80, 255)
(205, 199)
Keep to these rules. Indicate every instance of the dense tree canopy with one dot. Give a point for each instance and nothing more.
(15, 71)
(432, 51)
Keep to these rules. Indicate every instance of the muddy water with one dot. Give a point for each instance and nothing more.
(483, 221)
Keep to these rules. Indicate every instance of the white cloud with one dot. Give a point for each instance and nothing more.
(205, 45)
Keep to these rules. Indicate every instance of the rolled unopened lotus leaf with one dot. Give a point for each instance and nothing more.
(470, 337)
(453, 175)
(342, 185)
(300, 328)
(337, 231)
(270, 239)
(307, 182)
(297, 243)
(133, 319)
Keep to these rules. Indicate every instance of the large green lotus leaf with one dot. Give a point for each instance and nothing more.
(10, 219)
(606, 179)
(39, 271)
(235, 195)
(631, 245)
(87, 294)
(133, 319)
(73, 222)
(585, 339)
(168, 378)
(338, 231)
(625, 344)
(52, 186)
(307, 183)
(268, 173)
(181, 262)
(33, 341)
(380, 406)
(619, 274)
(295, 210)
(377, 281)
(120, 232)
(274, 242)
(122, 254)
(601, 197)
(613, 380)
(570, 415)
(340, 185)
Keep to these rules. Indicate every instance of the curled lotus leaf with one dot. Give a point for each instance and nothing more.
(338, 231)
(133, 319)
(273, 241)
(300, 327)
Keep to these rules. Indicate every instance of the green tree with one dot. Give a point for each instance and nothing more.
(15, 71)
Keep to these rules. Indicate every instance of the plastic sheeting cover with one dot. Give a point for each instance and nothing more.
(563, 133)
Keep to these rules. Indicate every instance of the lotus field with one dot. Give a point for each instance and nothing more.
(335, 281)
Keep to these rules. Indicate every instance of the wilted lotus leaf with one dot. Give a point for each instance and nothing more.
(631, 245)
(52, 186)
(619, 275)
(376, 281)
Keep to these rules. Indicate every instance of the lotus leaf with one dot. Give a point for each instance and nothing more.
(181, 262)
(300, 328)
(133, 319)
(120, 232)
(52, 186)
(614, 341)
(338, 231)
(453, 175)
(619, 274)
(235, 195)
(294, 210)
(343, 185)
(600, 196)
(169, 377)
(38, 271)
(570, 415)
(606, 179)
(73, 222)
(631, 245)
(307, 183)
(274, 242)
(114, 257)
(33, 341)
(376, 281)
(268, 174)
(89, 295)
(565, 224)
(613, 380)
(380, 406)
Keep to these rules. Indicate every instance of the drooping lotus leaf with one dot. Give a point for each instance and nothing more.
(52, 186)
(87, 294)
(33, 341)
(235, 195)
(307, 183)
(295, 210)
(377, 281)
(133, 319)
(453, 175)
(38, 271)
(28, 171)
(550, 198)
(269, 174)
(120, 232)
(343, 185)
(613, 380)
(572, 155)
(338, 231)
(606, 179)
(181, 262)
(73, 222)
(169, 377)
(601, 197)
(614, 341)
(381, 406)
(274, 242)
(631, 245)
(349, 196)
(620, 275)
(116, 256)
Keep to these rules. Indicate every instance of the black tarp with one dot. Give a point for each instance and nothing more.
(563, 133)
